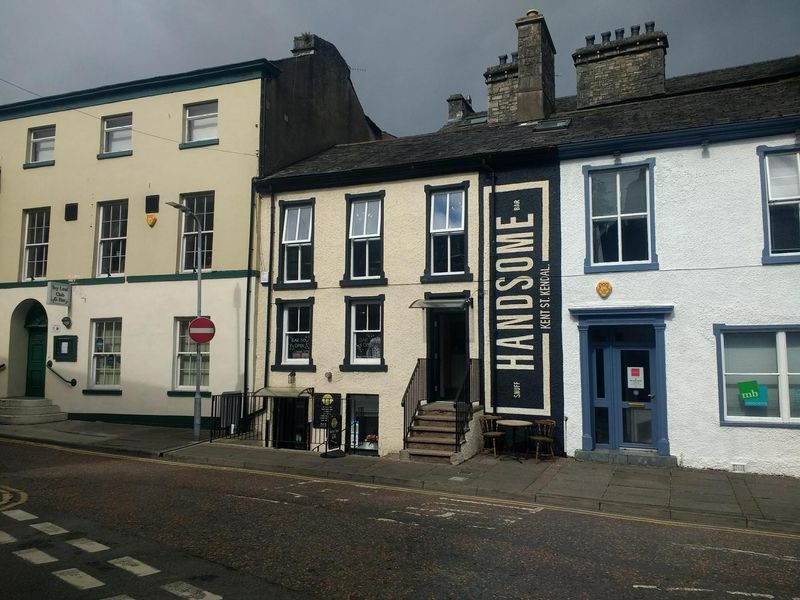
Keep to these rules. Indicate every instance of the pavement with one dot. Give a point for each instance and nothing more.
(717, 498)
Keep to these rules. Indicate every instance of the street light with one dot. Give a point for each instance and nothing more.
(198, 268)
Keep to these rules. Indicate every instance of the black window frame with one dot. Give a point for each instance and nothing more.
(347, 279)
(347, 364)
(428, 276)
(281, 304)
(280, 282)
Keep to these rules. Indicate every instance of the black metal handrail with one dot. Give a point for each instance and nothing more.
(416, 392)
(73, 382)
(240, 416)
(468, 394)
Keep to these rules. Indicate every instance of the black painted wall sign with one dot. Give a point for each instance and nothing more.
(326, 405)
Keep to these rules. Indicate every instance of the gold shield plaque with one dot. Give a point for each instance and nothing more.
(604, 288)
(151, 219)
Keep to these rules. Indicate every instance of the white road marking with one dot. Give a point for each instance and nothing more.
(683, 589)
(6, 538)
(19, 515)
(49, 528)
(131, 565)
(87, 545)
(737, 551)
(646, 587)
(481, 527)
(750, 594)
(384, 520)
(496, 505)
(343, 500)
(445, 515)
(457, 478)
(462, 510)
(34, 556)
(254, 498)
(184, 590)
(79, 579)
(295, 495)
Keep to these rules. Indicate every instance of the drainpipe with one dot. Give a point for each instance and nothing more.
(249, 292)
(269, 284)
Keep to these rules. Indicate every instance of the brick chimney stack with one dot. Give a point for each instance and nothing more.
(623, 68)
(524, 89)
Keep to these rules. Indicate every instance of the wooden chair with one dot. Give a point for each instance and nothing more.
(490, 431)
(543, 436)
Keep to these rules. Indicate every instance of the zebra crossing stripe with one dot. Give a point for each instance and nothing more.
(19, 515)
(87, 545)
(6, 538)
(49, 528)
(131, 565)
(78, 579)
(34, 556)
(185, 590)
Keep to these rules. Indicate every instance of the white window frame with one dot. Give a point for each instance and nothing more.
(207, 232)
(296, 331)
(190, 351)
(364, 236)
(35, 252)
(35, 143)
(292, 240)
(447, 230)
(109, 130)
(354, 331)
(212, 113)
(110, 241)
(772, 200)
(782, 374)
(105, 353)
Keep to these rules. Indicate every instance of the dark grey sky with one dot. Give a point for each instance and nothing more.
(407, 55)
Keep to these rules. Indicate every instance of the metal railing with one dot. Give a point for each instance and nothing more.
(468, 394)
(239, 416)
(415, 393)
(73, 382)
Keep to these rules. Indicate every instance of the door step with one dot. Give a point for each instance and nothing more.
(29, 411)
(647, 458)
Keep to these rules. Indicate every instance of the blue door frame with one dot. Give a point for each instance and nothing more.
(622, 317)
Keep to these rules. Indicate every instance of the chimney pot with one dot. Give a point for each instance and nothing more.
(514, 56)
(503, 58)
(590, 40)
(635, 30)
(650, 27)
(532, 13)
(606, 35)
(619, 33)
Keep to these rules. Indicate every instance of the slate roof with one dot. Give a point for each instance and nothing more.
(751, 93)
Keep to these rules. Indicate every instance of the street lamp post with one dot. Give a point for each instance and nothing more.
(198, 267)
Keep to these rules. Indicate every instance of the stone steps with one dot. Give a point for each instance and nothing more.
(29, 411)
(432, 436)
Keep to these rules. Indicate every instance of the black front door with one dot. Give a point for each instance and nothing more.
(447, 352)
(36, 324)
(291, 423)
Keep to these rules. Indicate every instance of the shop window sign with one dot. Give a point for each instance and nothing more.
(752, 394)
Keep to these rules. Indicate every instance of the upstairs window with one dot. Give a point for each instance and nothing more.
(620, 218)
(201, 205)
(42, 144)
(296, 243)
(782, 205)
(447, 239)
(366, 247)
(117, 133)
(201, 122)
(112, 237)
(37, 239)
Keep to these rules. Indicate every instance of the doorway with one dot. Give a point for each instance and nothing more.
(447, 352)
(624, 388)
(36, 326)
(291, 425)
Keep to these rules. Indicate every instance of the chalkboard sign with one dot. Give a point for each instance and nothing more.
(334, 431)
(368, 345)
(326, 405)
(299, 346)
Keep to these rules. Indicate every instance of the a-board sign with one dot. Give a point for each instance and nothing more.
(334, 431)
(326, 405)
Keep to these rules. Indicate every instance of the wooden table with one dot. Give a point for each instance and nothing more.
(515, 424)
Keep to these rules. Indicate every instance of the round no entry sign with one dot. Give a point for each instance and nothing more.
(201, 330)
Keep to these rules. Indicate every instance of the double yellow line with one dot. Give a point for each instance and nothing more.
(11, 497)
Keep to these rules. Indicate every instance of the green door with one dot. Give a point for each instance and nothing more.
(37, 350)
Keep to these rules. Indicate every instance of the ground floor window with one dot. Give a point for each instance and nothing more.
(186, 356)
(362, 422)
(760, 374)
(106, 352)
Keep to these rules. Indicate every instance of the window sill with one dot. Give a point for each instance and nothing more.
(101, 392)
(36, 165)
(350, 368)
(620, 267)
(447, 278)
(345, 282)
(296, 368)
(198, 144)
(769, 424)
(104, 155)
(780, 259)
(302, 285)
(186, 394)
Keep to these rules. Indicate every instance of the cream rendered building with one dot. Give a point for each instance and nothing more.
(86, 181)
